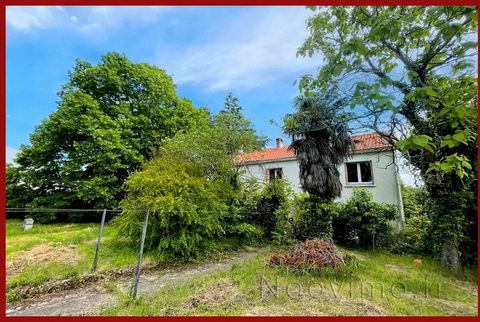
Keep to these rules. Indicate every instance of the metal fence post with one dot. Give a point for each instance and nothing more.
(140, 255)
(99, 240)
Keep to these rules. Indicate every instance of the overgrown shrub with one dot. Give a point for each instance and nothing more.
(270, 200)
(236, 222)
(312, 217)
(282, 235)
(192, 188)
(413, 239)
(185, 208)
(364, 222)
(414, 201)
(426, 226)
(446, 243)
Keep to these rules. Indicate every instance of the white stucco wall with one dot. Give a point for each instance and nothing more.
(384, 188)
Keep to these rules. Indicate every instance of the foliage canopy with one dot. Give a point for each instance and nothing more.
(110, 119)
(402, 68)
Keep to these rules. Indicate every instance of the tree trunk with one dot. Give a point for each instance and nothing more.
(450, 257)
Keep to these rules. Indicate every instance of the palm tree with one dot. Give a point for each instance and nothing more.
(321, 141)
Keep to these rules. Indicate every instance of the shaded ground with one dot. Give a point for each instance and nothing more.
(92, 300)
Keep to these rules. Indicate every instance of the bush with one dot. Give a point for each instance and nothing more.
(312, 217)
(244, 231)
(270, 200)
(185, 208)
(413, 238)
(414, 201)
(192, 188)
(363, 222)
(282, 235)
(236, 222)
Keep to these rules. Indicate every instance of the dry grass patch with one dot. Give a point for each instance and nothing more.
(43, 254)
(213, 296)
(320, 307)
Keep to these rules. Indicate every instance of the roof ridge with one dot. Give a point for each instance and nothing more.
(372, 141)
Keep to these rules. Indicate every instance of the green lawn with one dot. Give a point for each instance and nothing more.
(249, 289)
(59, 251)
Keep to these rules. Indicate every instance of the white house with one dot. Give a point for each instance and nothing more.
(372, 165)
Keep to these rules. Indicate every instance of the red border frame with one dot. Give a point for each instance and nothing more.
(243, 2)
(191, 2)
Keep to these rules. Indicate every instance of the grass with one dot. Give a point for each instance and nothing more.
(50, 252)
(76, 239)
(249, 289)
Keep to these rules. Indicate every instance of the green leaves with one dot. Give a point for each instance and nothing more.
(421, 59)
(456, 163)
(413, 142)
(422, 93)
(190, 185)
(460, 137)
(111, 117)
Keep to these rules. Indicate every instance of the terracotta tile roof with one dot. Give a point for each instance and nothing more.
(362, 142)
(370, 141)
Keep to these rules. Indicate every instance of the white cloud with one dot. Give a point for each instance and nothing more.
(25, 18)
(253, 50)
(250, 50)
(90, 20)
(10, 154)
(100, 19)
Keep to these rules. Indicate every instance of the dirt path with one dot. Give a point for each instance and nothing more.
(92, 300)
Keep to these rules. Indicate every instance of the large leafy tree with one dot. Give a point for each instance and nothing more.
(111, 117)
(321, 141)
(191, 186)
(18, 194)
(412, 71)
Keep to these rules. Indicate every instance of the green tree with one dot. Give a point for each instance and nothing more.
(321, 141)
(17, 194)
(412, 71)
(110, 119)
(189, 187)
(232, 105)
(242, 136)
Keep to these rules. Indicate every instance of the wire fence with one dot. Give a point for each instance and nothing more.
(102, 219)
(103, 212)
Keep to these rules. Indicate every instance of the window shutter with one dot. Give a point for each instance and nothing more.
(267, 176)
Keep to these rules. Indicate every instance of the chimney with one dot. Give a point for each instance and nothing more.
(279, 142)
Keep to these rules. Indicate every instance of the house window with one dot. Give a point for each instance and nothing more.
(359, 172)
(275, 174)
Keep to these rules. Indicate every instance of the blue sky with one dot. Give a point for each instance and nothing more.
(209, 51)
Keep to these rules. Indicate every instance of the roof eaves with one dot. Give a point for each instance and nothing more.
(266, 161)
